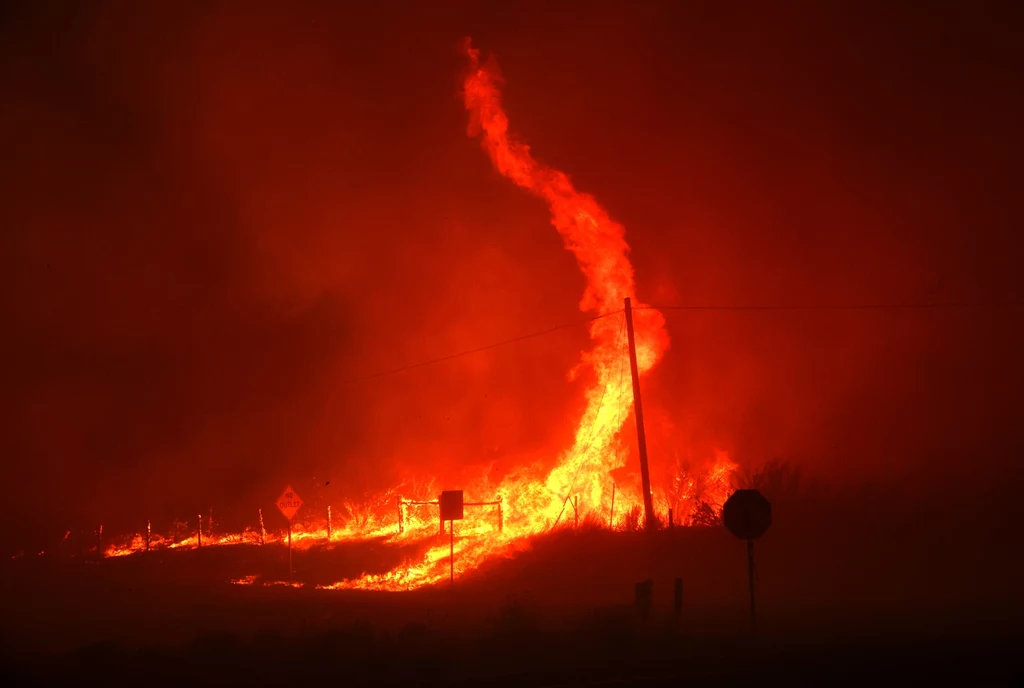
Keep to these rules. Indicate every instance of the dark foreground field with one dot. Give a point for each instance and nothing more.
(847, 594)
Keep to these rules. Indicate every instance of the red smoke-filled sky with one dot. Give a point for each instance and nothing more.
(216, 215)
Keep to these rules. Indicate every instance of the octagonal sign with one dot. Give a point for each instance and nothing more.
(747, 514)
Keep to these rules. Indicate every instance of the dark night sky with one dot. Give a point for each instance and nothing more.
(215, 214)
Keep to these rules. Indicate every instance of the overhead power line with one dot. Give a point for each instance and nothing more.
(486, 347)
(840, 307)
(741, 307)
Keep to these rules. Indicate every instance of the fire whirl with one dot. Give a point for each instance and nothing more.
(535, 499)
(536, 502)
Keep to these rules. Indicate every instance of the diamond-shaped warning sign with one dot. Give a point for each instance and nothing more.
(289, 502)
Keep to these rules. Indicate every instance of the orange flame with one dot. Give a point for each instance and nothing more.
(535, 502)
(600, 248)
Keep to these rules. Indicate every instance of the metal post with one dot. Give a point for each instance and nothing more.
(501, 516)
(451, 551)
(200, 531)
(670, 524)
(401, 523)
(289, 551)
(328, 522)
(149, 532)
(576, 512)
(99, 542)
(263, 531)
(750, 572)
(638, 409)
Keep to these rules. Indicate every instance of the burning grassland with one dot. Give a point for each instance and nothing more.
(533, 499)
(492, 531)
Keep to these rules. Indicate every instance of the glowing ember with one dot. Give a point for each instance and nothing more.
(533, 501)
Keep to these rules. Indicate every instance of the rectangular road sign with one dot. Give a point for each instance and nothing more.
(289, 502)
(451, 505)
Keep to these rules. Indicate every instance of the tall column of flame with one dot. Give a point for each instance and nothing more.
(600, 248)
(535, 502)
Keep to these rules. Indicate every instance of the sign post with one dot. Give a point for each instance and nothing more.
(748, 515)
(451, 506)
(289, 503)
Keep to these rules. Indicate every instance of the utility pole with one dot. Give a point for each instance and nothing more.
(638, 410)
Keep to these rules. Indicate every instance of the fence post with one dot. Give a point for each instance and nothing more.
(644, 597)
(677, 598)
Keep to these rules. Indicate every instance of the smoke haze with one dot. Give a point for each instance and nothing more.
(218, 219)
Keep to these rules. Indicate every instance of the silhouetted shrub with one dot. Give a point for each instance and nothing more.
(705, 514)
(631, 520)
(778, 480)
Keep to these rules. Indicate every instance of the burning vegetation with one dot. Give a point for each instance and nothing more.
(536, 498)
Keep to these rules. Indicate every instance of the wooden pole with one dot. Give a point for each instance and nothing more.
(263, 531)
(328, 522)
(670, 524)
(451, 552)
(401, 523)
(638, 409)
(611, 516)
(576, 512)
(501, 516)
